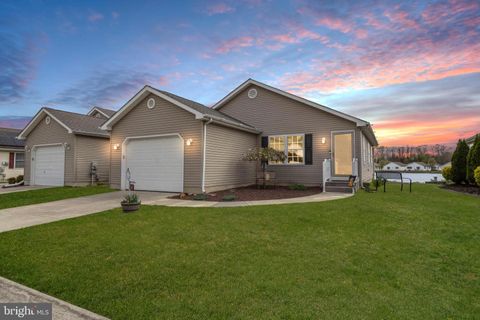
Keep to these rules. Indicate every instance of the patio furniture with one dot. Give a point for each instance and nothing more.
(266, 179)
(385, 176)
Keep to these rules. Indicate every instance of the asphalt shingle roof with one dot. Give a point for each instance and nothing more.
(79, 123)
(8, 138)
(108, 112)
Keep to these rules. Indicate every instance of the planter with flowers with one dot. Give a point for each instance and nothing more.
(130, 202)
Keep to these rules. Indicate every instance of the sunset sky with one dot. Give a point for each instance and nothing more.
(412, 69)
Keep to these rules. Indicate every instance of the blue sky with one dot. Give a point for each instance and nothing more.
(412, 68)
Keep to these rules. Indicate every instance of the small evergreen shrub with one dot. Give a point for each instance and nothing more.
(12, 180)
(476, 175)
(447, 173)
(473, 159)
(19, 178)
(459, 162)
(200, 196)
(229, 197)
(297, 186)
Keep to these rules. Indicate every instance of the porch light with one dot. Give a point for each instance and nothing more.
(116, 146)
(66, 146)
(189, 142)
(323, 140)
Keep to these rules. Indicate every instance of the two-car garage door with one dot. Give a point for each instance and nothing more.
(49, 165)
(155, 163)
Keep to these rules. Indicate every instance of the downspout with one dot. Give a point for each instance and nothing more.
(204, 151)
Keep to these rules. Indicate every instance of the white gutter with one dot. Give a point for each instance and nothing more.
(204, 151)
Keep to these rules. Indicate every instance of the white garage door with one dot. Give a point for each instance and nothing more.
(49, 166)
(155, 164)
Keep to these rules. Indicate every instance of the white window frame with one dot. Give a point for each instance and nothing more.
(15, 160)
(285, 149)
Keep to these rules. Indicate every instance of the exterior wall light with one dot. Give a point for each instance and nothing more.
(66, 146)
(189, 142)
(116, 146)
(324, 140)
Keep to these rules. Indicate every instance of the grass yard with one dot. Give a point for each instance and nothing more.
(377, 256)
(23, 198)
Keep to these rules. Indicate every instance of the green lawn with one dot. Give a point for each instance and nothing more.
(376, 256)
(23, 198)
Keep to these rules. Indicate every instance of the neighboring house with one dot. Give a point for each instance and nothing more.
(62, 146)
(164, 142)
(395, 166)
(471, 140)
(417, 166)
(12, 154)
(448, 164)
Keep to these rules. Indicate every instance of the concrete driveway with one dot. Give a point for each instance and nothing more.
(26, 216)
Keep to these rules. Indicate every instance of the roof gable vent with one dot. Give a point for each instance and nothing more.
(252, 93)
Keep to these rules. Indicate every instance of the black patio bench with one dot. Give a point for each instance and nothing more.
(385, 176)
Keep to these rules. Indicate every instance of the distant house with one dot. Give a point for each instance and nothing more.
(471, 140)
(417, 166)
(12, 154)
(394, 166)
(448, 164)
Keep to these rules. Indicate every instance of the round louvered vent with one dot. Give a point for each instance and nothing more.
(47, 120)
(151, 103)
(252, 93)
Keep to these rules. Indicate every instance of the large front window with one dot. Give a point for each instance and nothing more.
(19, 160)
(292, 145)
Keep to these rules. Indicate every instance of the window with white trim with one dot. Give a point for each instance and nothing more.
(19, 160)
(292, 145)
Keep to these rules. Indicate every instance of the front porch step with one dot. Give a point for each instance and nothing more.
(337, 183)
(339, 189)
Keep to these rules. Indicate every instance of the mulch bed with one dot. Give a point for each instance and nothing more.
(252, 194)
(463, 188)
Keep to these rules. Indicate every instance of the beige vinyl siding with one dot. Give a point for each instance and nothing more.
(51, 134)
(165, 118)
(366, 162)
(275, 114)
(88, 150)
(224, 151)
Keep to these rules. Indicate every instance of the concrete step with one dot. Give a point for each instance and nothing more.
(342, 189)
(337, 183)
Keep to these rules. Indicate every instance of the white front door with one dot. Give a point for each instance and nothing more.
(342, 153)
(155, 163)
(48, 165)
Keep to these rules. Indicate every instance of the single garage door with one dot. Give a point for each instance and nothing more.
(155, 164)
(49, 166)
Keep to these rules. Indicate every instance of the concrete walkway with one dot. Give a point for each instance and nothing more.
(21, 188)
(14, 292)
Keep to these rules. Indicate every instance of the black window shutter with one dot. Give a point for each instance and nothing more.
(264, 142)
(308, 149)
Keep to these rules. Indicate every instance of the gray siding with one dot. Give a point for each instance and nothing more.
(48, 134)
(276, 114)
(163, 119)
(224, 151)
(366, 161)
(92, 149)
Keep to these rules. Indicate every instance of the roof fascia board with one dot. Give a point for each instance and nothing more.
(147, 89)
(97, 110)
(232, 94)
(23, 135)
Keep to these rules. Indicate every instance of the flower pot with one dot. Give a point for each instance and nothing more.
(129, 207)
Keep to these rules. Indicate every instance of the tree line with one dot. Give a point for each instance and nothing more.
(429, 154)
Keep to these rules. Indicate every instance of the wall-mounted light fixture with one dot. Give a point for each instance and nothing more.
(66, 146)
(188, 142)
(324, 140)
(116, 146)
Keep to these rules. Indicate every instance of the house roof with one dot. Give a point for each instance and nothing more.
(76, 123)
(200, 111)
(472, 138)
(397, 163)
(106, 112)
(8, 138)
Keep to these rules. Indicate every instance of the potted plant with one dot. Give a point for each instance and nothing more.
(130, 202)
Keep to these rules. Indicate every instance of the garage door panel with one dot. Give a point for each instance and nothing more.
(49, 166)
(156, 163)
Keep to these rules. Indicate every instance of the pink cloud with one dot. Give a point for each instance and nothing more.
(95, 16)
(235, 44)
(402, 19)
(440, 13)
(335, 24)
(219, 8)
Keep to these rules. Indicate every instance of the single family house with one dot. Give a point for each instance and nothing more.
(417, 166)
(394, 166)
(66, 148)
(163, 142)
(12, 154)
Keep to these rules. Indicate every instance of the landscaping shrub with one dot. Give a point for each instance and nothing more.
(476, 175)
(459, 162)
(11, 180)
(473, 159)
(200, 196)
(229, 197)
(447, 173)
(19, 178)
(297, 186)
(131, 198)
